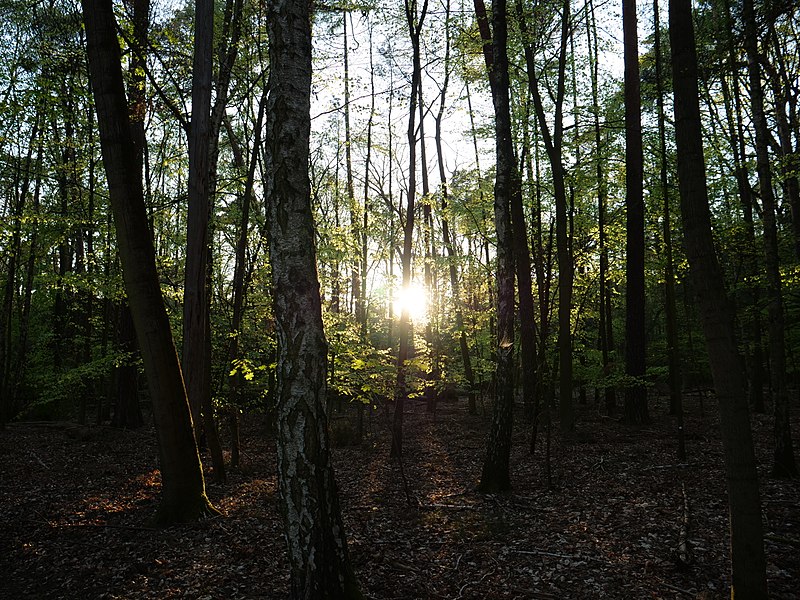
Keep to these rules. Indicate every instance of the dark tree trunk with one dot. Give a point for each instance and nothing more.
(414, 29)
(496, 476)
(553, 142)
(750, 296)
(317, 547)
(717, 315)
(238, 285)
(784, 464)
(670, 305)
(604, 301)
(196, 308)
(635, 390)
(455, 288)
(183, 489)
(127, 410)
(17, 375)
(352, 206)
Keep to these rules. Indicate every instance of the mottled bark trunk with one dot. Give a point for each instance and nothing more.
(317, 547)
(496, 474)
(183, 491)
(717, 316)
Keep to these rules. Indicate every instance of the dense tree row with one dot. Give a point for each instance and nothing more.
(501, 203)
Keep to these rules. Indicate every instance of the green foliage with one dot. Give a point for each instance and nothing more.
(358, 370)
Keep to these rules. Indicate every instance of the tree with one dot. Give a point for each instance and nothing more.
(635, 391)
(415, 22)
(604, 301)
(318, 555)
(183, 489)
(748, 565)
(196, 307)
(495, 475)
(784, 464)
(455, 288)
(553, 145)
(670, 309)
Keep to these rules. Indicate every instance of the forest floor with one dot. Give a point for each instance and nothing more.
(75, 505)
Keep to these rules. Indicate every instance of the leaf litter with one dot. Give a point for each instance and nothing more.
(75, 512)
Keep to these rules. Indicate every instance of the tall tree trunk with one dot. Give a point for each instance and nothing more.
(17, 374)
(472, 407)
(670, 305)
(553, 143)
(785, 106)
(604, 303)
(455, 288)
(635, 390)
(317, 547)
(751, 293)
(195, 302)
(13, 256)
(352, 205)
(361, 315)
(238, 285)
(784, 464)
(717, 315)
(433, 372)
(183, 489)
(495, 475)
(415, 22)
(527, 318)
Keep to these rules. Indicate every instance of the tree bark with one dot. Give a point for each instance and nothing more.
(635, 390)
(183, 496)
(496, 476)
(196, 300)
(318, 555)
(553, 142)
(414, 29)
(751, 316)
(748, 564)
(784, 464)
(604, 301)
(670, 306)
(455, 288)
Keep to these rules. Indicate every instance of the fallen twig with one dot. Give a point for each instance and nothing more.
(536, 552)
(675, 588)
(683, 552)
(39, 460)
(105, 526)
(672, 466)
(469, 583)
(434, 505)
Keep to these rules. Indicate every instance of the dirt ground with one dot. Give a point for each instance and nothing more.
(75, 504)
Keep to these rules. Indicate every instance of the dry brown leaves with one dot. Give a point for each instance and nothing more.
(75, 503)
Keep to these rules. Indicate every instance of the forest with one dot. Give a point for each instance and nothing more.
(428, 299)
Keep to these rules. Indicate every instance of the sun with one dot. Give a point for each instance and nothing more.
(414, 299)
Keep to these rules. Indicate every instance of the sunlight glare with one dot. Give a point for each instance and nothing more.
(414, 299)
